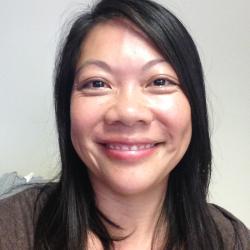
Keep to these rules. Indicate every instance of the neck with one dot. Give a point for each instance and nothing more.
(137, 215)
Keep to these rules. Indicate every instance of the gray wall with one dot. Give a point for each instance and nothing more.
(29, 35)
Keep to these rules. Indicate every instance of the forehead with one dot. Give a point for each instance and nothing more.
(121, 24)
(115, 35)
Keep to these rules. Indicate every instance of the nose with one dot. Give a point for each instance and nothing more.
(129, 109)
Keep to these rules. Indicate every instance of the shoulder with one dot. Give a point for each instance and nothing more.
(233, 231)
(17, 217)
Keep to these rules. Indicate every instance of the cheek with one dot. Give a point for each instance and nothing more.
(84, 114)
(174, 113)
(82, 120)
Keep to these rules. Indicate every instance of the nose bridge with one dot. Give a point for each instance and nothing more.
(129, 101)
(129, 107)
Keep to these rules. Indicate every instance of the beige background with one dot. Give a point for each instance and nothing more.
(29, 32)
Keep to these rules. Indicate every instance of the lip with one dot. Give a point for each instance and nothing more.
(129, 147)
(128, 150)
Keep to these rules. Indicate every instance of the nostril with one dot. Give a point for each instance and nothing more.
(128, 115)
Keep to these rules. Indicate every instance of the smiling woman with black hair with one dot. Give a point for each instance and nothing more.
(135, 151)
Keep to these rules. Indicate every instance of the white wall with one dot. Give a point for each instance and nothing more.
(29, 31)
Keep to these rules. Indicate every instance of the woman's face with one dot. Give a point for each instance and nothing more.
(130, 120)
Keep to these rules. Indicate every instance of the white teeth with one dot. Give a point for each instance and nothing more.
(129, 147)
(125, 148)
(134, 148)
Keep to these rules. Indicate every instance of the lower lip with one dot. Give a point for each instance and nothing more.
(130, 155)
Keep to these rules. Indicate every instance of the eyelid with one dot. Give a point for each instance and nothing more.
(83, 84)
(168, 78)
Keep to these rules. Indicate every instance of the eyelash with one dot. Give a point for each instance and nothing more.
(102, 84)
(166, 82)
(89, 84)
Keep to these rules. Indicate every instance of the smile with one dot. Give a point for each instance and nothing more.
(129, 152)
(126, 147)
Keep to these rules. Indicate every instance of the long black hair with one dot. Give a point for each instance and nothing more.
(69, 212)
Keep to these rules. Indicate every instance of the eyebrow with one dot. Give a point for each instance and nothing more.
(99, 63)
(107, 68)
(152, 63)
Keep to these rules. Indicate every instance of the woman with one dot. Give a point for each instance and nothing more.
(133, 134)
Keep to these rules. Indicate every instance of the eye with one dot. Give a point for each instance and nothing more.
(94, 84)
(161, 82)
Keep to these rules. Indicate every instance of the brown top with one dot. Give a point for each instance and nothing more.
(17, 225)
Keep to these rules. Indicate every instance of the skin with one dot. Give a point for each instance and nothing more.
(126, 93)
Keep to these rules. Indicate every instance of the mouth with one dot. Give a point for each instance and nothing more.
(128, 147)
(129, 151)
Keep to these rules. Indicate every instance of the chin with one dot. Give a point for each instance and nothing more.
(130, 186)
